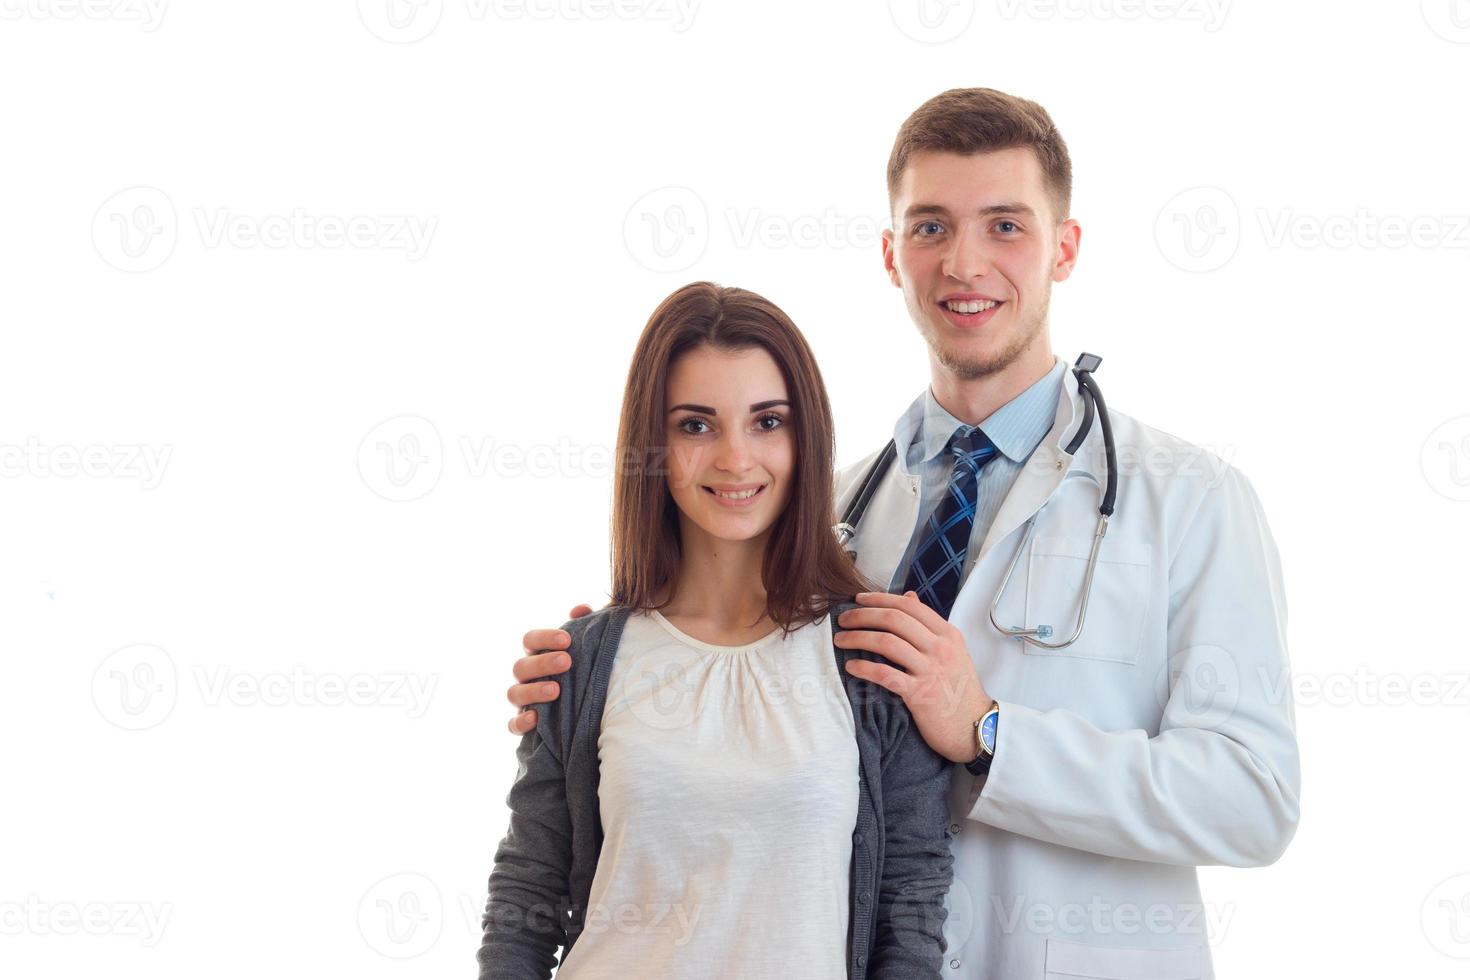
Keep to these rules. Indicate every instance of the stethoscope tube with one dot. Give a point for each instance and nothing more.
(1094, 408)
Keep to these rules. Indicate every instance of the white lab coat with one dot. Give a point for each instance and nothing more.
(1162, 740)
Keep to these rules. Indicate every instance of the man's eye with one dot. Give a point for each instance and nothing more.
(1012, 224)
(928, 228)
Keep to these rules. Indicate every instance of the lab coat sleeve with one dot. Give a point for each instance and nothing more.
(1219, 782)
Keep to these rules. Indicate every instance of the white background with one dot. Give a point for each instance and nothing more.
(246, 461)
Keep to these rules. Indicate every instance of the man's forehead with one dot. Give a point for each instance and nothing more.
(972, 180)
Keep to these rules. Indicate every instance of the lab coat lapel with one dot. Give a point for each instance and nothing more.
(1047, 467)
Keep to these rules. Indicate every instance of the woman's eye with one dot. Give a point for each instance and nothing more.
(770, 418)
(684, 426)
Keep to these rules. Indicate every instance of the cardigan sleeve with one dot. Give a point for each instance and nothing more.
(525, 920)
(909, 914)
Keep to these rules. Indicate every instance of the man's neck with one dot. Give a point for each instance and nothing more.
(973, 400)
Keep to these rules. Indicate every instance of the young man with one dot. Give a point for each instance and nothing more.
(1091, 779)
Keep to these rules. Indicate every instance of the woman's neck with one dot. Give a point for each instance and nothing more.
(719, 589)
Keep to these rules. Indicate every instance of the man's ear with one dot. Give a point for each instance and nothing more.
(1069, 243)
(888, 246)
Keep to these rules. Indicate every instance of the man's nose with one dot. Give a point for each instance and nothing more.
(967, 258)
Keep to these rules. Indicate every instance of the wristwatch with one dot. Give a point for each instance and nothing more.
(985, 729)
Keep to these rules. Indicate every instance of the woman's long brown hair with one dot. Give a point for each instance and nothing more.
(804, 569)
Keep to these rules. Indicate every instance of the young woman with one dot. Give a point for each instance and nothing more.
(713, 794)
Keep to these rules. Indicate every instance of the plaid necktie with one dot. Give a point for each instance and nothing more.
(939, 560)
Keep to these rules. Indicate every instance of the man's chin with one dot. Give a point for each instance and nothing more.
(970, 361)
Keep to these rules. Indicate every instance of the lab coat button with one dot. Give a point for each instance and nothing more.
(954, 964)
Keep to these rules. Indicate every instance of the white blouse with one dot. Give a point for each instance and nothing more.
(728, 796)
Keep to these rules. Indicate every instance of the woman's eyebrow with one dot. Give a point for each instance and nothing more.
(706, 410)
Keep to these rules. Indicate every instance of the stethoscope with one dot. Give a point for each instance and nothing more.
(1095, 407)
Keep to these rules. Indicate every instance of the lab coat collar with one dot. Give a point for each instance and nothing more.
(1069, 415)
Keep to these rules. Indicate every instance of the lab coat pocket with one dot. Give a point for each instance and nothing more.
(1120, 588)
(1066, 961)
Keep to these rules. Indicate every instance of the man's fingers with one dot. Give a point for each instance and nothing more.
(579, 611)
(910, 603)
(880, 674)
(535, 666)
(538, 641)
(884, 645)
(895, 621)
(523, 722)
(521, 695)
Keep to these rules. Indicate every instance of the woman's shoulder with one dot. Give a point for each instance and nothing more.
(593, 632)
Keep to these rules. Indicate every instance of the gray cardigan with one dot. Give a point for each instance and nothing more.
(539, 889)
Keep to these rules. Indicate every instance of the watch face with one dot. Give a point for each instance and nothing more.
(987, 731)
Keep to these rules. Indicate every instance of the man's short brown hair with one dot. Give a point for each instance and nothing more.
(981, 120)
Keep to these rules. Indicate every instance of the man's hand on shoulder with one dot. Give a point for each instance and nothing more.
(544, 657)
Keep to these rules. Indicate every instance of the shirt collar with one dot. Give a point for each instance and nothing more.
(1016, 428)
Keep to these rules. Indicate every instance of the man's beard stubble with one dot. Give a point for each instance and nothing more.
(968, 368)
